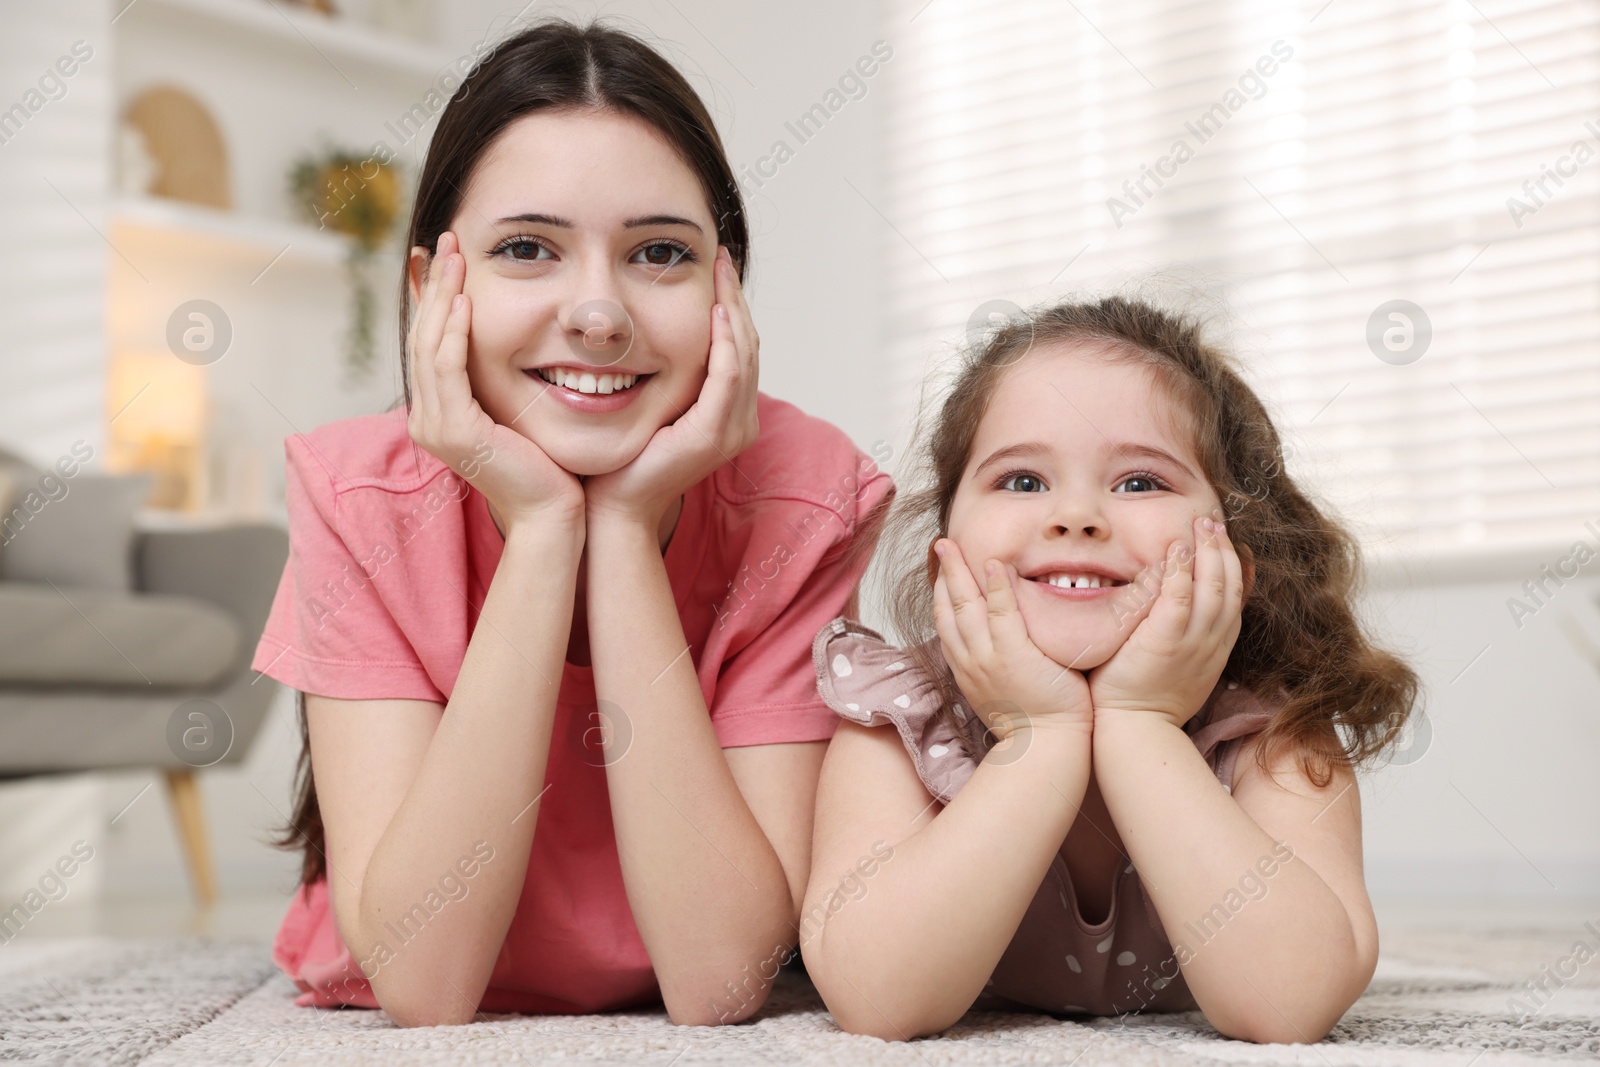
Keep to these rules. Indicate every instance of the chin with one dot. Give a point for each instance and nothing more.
(1081, 655)
(600, 455)
(1082, 645)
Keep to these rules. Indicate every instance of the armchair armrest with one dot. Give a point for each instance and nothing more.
(236, 568)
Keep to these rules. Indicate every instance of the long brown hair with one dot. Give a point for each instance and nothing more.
(554, 65)
(1347, 699)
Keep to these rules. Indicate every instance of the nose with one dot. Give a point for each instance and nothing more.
(595, 324)
(1076, 510)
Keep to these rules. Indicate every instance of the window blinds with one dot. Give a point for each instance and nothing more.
(1301, 167)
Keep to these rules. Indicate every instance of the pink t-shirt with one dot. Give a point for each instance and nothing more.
(391, 553)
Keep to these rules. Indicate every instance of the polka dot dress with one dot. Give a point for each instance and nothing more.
(1056, 961)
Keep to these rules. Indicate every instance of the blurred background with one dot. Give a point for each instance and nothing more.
(1390, 209)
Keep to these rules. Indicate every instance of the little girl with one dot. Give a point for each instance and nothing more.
(1121, 776)
(552, 620)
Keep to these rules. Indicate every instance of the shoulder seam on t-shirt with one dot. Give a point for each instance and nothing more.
(799, 496)
(387, 485)
(340, 483)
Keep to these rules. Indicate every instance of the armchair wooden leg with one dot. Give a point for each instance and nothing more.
(185, 794)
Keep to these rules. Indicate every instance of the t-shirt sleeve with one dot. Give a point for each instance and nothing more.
(329, 631)
(767, 692)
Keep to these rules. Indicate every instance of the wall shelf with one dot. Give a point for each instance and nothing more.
(149, 219)
(275, 24)
(278, 82)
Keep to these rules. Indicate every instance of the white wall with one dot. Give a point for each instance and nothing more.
(1504, 799)
(54, 178)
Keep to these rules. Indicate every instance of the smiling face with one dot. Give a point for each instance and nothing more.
(589, 248)
(1080, 474)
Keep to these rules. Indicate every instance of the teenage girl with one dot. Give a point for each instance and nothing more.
(1113, 780)
(552, 620)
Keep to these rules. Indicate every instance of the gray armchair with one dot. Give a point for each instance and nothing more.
(157, 675)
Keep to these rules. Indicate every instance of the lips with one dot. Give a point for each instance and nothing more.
(581, 391)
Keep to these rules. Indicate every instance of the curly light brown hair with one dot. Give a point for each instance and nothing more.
(1344, 699)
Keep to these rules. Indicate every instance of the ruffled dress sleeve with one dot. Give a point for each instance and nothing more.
(867, 680)
(1230, 715)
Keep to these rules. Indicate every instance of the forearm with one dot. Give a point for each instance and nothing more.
(968, 875)
(708, 892)
(1242, 923)
(478, 781)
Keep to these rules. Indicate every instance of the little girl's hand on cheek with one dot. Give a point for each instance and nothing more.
(1010, 682)
(1176, 653)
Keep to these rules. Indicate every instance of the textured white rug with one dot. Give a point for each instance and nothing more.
(1439, 998)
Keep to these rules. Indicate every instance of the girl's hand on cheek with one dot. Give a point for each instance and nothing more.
(1173, 658)
(1010, 683)
(515, 474)
(719, 425)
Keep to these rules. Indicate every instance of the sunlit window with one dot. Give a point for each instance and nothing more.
(1395, 200)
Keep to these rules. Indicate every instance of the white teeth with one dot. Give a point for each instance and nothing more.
(1082, 581)
(585, 382)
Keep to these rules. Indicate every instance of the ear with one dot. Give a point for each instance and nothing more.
(933, 563)
(417, 272)
(1249, 569)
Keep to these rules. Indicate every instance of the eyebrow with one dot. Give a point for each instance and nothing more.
(1152, 452)
(542, 220)
(1036, 448)
(661, 220)
(556, 221)
(1027, 448)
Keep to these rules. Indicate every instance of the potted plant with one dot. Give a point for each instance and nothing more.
(358, 194)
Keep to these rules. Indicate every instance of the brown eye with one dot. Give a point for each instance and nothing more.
(522, 250)
(663, 254)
